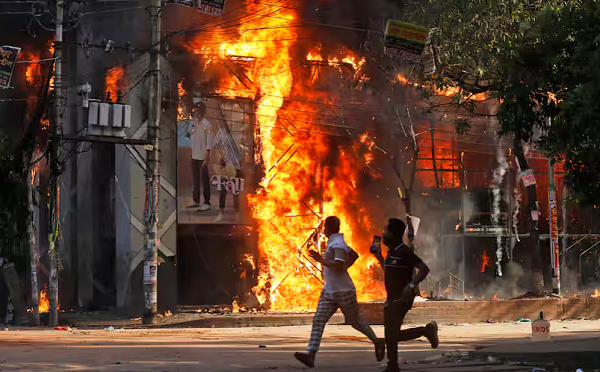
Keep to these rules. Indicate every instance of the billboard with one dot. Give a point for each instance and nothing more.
(554, 246)
(405, 40)
(212, 7)
(215, 163)
(8, 59)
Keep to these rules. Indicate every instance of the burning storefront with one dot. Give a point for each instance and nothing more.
(303, 151)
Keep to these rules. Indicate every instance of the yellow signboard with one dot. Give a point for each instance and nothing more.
(405, 40)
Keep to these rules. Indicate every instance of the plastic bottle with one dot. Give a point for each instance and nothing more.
(540, 329)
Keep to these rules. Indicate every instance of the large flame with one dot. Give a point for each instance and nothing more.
(33, 72)
(300, 188)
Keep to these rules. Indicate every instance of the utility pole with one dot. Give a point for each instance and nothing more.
(563, 267)
(33, 250)
(553, 224)
(152, 170)
(55, 167)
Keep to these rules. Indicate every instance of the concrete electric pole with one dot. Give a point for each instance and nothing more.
(152, 170)
(55, 167)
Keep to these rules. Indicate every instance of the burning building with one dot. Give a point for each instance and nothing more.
(304, 123)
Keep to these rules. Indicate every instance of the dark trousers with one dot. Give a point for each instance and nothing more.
(223, 195)
(393, 317)
(200, 172)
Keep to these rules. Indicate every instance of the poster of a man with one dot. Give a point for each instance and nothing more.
(214, 156)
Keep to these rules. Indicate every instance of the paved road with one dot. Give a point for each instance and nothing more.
(236, 350)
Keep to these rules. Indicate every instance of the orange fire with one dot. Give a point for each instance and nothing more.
(448, 92)
(315, 54)
(180, 93)
(250, 258)
(44, 301)
(288, 207)
(51, 50)
(485, 261)
(596, 293)
(424, 294)
(33, 170)
(446, 160)
(495, 298)
(33, 71)
(114, 81)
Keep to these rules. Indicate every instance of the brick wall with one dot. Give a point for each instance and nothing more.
(480, 311)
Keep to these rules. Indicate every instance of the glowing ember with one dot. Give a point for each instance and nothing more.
(596, 294)
(485, 261)
(33, 170)
(424, 294)
(250, 258)
(364, 138)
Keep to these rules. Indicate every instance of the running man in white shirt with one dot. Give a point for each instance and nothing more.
(202, 143)
(338, 293)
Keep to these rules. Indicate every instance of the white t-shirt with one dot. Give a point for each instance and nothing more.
(202, 138)
(337, 281)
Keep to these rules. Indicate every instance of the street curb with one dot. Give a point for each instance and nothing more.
(252, 321)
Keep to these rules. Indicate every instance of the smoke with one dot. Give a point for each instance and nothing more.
(515, 217)
(498, 177)
(509, 285)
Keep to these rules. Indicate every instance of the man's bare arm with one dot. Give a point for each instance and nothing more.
(423, 271)
(380, 259)
(336, 265)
